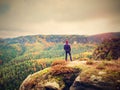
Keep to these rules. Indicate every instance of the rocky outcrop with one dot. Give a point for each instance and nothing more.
(57, 77)
(94, 79)
(75, 75)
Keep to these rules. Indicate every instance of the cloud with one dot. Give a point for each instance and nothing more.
(61, 10)
(59, 16)
(4, 7)
(87, 27)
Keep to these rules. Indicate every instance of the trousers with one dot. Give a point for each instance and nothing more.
(66, 53)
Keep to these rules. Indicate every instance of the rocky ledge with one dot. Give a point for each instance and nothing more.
(75, 75)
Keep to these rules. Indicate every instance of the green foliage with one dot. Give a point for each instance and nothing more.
(7, 52)
(23, 48)
(19, 56)
(13, 73)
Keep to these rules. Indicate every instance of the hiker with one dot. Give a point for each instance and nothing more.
(67, 49)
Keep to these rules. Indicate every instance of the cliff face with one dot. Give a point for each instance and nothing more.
(75, 75)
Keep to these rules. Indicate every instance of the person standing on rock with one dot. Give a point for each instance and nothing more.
(67, 49)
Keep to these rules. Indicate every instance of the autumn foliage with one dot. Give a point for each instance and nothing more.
(59, 62)
(59, 67)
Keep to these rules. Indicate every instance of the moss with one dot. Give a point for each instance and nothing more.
(40, 73)
(54, 79)
(86, 74)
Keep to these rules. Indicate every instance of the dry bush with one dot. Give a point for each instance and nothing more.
(62, 69)
(90, 62)
(59, 62)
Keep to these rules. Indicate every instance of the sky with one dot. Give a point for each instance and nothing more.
(81, 17)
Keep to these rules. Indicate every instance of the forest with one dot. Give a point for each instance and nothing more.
(26, 55)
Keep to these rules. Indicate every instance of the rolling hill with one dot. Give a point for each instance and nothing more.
(26, 55)
(38, 46)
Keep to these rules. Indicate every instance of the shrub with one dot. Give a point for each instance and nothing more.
(59, 62)
(109, 49)
(62, 69)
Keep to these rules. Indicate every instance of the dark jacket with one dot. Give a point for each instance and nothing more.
(67, 48)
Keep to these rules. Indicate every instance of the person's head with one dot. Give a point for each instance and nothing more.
(66, 42)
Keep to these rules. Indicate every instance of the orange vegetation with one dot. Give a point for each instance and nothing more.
(59, 62)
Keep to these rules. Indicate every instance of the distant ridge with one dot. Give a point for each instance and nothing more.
(107, 35)
(101, 37)
(98, 38)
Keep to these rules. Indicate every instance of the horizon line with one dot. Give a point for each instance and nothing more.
(57, 35)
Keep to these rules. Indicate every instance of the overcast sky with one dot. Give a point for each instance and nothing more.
(83, 17)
